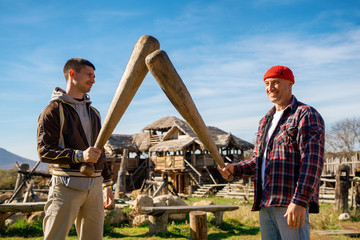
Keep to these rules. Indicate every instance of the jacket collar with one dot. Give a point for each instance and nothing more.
(292, 105)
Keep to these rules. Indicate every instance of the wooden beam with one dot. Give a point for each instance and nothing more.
(22, 207)
(186, 209)
(351, 233)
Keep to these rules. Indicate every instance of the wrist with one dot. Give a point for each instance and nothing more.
(79, 157)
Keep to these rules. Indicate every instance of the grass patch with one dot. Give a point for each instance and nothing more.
(238, 224)
(22, 228)
(327, 219)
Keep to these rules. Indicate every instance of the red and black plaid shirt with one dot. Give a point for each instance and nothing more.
(294, 159)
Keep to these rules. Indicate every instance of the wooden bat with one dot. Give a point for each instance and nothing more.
(131, 80)
(169, 80)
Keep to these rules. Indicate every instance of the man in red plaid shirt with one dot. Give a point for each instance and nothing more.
(287, 162)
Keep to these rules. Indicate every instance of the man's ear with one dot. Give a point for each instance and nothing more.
(71, 73)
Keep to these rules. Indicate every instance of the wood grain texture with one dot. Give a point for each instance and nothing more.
(130, 82)
(169, 80)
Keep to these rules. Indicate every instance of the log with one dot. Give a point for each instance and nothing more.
(186, 209)
(7, 210)
(22, 207)
(351, 233)
(198, 225)
(342, 188)
(121, 179)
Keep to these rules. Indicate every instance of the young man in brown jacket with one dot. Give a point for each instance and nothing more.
(67, 130)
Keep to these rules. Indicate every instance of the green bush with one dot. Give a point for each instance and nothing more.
(7, 179)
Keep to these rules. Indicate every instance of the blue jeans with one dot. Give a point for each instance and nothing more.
(273, 225)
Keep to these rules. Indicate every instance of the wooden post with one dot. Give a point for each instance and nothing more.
(189, 189)
(198, 225)
(356, 181)
(158, 224)
(20, 177)
(28, 191)
(193, 156)
(218, 217)
(342, 188)
(165, 180)
(121, 179)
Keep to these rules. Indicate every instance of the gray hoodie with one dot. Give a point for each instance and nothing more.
(79, 106)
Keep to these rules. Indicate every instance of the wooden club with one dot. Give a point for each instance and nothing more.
(169, 80)
(131, 80)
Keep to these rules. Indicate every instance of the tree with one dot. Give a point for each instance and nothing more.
(343, 139)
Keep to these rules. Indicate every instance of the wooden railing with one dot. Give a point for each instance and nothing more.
(155, 139)
(170, 162)
(204, 160)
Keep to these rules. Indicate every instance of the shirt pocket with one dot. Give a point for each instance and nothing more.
(286, 136)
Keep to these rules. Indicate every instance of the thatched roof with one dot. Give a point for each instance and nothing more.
(220, 137)
(172, 145)
(141, 141)
(134, 143)
(165, 123)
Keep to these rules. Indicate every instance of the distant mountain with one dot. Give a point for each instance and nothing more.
(8, 159)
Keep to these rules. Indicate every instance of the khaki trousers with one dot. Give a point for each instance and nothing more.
(66, 206)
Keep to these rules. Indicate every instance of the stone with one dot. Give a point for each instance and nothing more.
(114, 217)
(204, 202)
(218, 215)
(140, 220)
(158, 224)
(344, 217)
(36, 217)
(14, 218)
(134, 194)
(171, 200)
(143, 201)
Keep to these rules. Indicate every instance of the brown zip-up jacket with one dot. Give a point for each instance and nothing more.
(60, 134)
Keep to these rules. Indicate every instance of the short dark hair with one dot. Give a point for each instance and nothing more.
(77, 64)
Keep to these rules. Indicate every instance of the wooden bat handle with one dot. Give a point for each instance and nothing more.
(169, 80)
(131, 80)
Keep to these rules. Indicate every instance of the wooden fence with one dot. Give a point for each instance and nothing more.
(331, 165)
(327, 194)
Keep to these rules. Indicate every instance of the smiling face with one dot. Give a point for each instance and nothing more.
(84, 79)
(279, 92)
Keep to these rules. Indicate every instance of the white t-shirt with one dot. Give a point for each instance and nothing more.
(273, 124)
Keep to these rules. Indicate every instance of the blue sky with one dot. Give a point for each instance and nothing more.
(221, 50)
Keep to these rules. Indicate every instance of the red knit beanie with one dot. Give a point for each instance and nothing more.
(280, 72)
